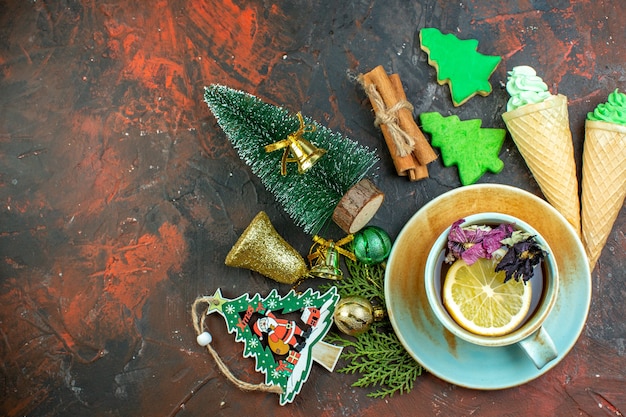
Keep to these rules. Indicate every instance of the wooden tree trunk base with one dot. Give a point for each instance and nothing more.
(326, 354)
(357, 207)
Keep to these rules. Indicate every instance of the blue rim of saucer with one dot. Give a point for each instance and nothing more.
(435, 348)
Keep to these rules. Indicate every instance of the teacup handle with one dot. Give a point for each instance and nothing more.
(539, 347)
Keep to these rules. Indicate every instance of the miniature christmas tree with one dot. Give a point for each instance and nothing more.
(335, 165)
(464, 143)
(281, 341)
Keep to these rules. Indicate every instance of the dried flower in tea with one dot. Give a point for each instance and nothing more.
(475, 241)
(518, 252)
(520, 260)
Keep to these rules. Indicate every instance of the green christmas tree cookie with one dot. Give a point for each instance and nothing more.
(458, 64)
(464, 143)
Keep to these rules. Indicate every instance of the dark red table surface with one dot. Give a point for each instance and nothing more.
(120, 196)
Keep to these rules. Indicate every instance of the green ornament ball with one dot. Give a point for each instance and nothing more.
(371, 245)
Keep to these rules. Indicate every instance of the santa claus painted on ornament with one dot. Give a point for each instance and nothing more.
(281, 333)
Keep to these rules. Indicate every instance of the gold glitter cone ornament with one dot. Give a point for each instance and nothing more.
(260, 248)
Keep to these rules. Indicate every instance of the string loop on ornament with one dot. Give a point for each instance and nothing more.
(199, 324)
(292, 137)
(404, 142)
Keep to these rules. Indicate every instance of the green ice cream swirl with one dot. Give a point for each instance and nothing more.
(613, 111)
(525, 87)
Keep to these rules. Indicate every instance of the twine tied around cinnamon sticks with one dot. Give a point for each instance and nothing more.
(389, 116)
(199, 323)
(408, 146)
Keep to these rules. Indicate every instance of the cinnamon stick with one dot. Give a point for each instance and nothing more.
(423, 151)
(415, 150)
(405, 165)
(421, 170)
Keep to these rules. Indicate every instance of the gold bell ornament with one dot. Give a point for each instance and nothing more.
(303, 152)
(260, 248)
(325, 253)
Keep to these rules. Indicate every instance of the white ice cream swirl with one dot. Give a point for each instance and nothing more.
(525, 87)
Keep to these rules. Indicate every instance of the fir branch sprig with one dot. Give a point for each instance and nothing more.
(364, 280)
(381, 360)
(376, 354)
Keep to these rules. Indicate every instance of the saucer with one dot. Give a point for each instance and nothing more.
(435, 348)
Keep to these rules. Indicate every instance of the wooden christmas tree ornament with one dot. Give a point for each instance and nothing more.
(283, 334)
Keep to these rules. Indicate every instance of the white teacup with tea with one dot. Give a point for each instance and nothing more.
(491, 280)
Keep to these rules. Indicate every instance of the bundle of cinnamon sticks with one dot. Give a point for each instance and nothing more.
(408, 146)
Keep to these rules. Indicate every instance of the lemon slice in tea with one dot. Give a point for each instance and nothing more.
(481, 302)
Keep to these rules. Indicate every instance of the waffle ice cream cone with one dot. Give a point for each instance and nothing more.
(603, 183)
(542, 135)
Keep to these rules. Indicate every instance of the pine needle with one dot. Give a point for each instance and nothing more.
(377, 354)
